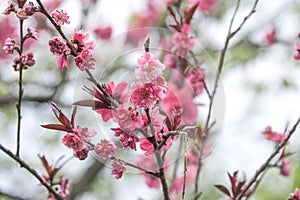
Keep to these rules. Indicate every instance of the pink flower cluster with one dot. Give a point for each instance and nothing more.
(76, 141)
(24, 61)
(81, 45)
(105, 149)
(182, 40)
(60, 17)
(21, 13)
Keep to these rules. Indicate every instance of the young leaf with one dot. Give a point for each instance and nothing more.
(223, 189)
(57, 127)
(189, 14)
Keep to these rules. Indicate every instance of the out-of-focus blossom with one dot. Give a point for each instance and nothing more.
(297, 48)
(273, 136)
(182, 40)
(118, 168)
(9, 46)
(295, 195)
(104, 33)
(270, 37)
(21, 14)
(196, 77)
(285, 167)
(204, 5)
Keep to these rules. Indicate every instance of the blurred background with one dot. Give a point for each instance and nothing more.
(259, 87)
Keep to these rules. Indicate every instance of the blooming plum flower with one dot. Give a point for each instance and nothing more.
(73, 141)
(118, 168)
(60, 17)
(105, 149)
(82, 153)
(150, 69)
(146, 146)
(81, 41)
(85, 60)
(128, 119)
(146, 95)
(127, 139)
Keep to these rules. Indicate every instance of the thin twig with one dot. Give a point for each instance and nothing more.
(267, 163)
(185, 165)
(230, 35)
(31, 170)
(19, 104)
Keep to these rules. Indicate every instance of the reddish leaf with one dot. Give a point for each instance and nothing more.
(21, 3)
(169, 124)
(57, 127)
(223, 189)
(46, 165)
(90, 103)
(189, 14)
(61, 117)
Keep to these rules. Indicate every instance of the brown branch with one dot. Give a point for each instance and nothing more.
(32, 171)
(267, 163)
(230, 35)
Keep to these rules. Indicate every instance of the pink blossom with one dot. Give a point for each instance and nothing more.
(105, 149)
(84, 133)
(30, 9)
(285, 168)
(7, 31)
(58, 46)
(295, 195)
(181, 99)
(118, 168)
(270, 37)
(21, 14)
(9, 46)
(104, 33)
(127, 139)
(196, 77)
(9, 8)
(85, 60)
(146, 146)
(117, 93)
(273, 136)
(204, 5)
(73, 141)
(152, 181)
(297, 48)
(150, 69)
(182, 40)
(81, 41)
(60, 17)
(26, 60)
(82, 153)
(128, 119)
(61, 62)
(146, 95)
